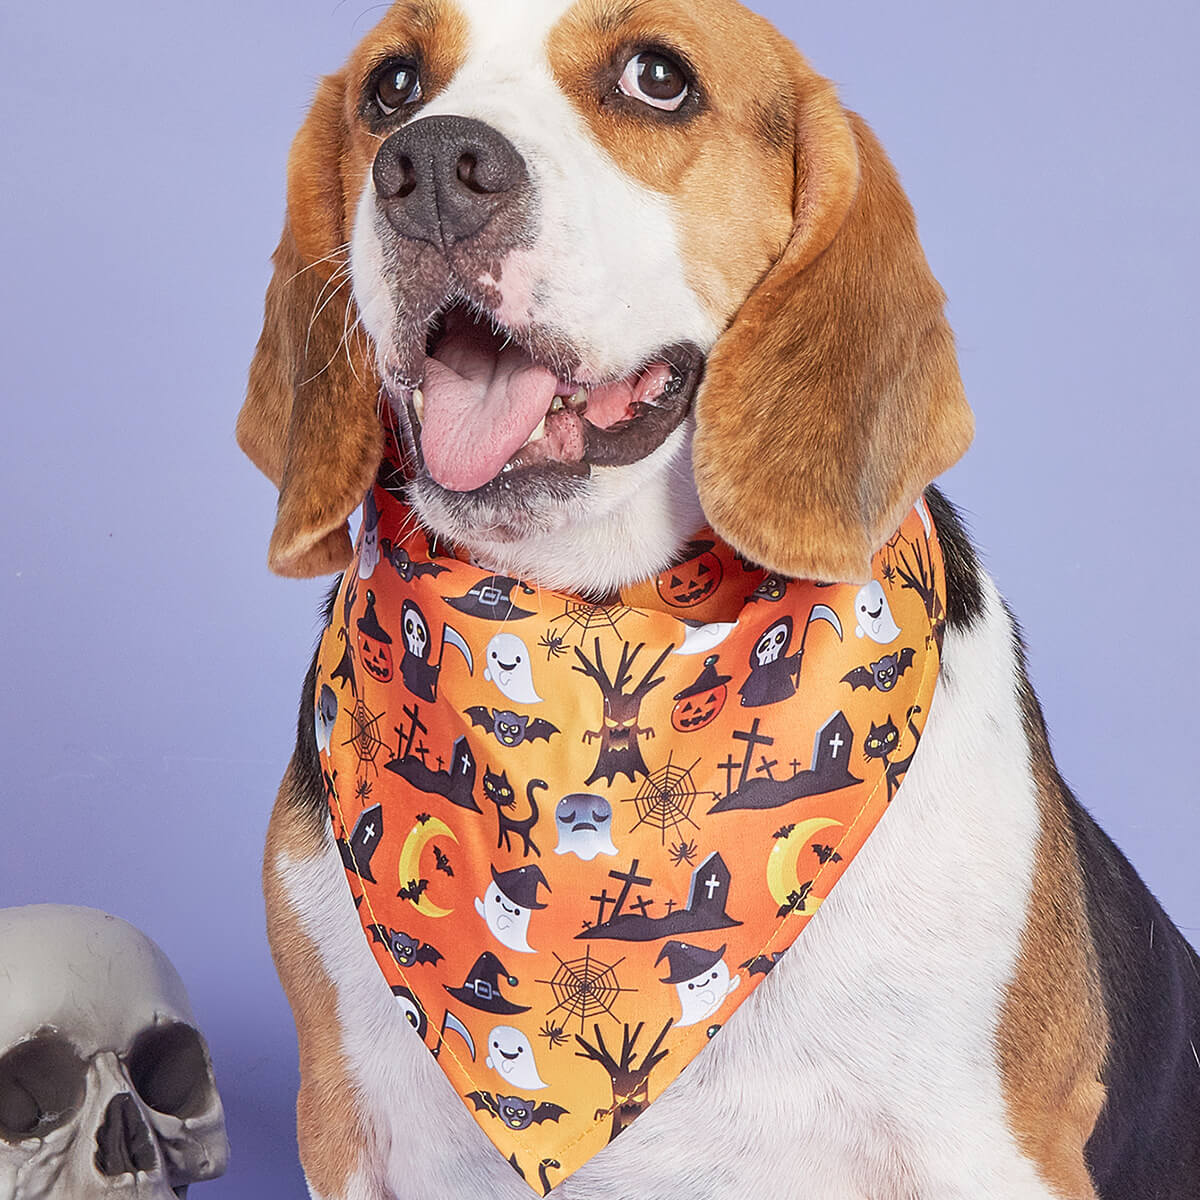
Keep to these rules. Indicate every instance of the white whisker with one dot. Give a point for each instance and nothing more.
(344, 248)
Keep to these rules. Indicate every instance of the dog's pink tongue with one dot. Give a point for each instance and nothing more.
(480, 408)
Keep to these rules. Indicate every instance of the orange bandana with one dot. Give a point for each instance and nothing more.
(579, 834)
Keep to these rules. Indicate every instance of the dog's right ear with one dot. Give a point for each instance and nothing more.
(310, 421)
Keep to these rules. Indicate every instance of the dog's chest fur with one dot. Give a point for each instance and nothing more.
(864, 1066)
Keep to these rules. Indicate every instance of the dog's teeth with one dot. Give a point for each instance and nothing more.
(556, 404)
(418, 398)
(539, 432)
(507, 467)
(577, 402)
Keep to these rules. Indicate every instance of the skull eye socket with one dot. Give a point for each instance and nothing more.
(42, 1085)
(169, 1067)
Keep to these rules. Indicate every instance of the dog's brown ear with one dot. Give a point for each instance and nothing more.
(310, 419)
(834, 397)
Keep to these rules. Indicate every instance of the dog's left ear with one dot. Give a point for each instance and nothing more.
(310, 421)
(834, 397)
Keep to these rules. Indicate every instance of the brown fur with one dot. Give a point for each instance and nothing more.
(1053, 1035)
(310, 421)
(834, 397)
(333, 1142)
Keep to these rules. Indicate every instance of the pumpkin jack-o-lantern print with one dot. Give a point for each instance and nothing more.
(700, 704)
(694, 580)
(374, 644)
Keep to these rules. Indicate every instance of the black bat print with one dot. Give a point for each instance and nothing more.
(401, 561)
(407, 951)
(413, 890)
(825, 853)
(441, 862)
(510, 728)
(761, 964)
(882, 674)
(514, 1111)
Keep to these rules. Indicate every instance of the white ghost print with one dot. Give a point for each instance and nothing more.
(508, 922)
(511, 1055)
(509, 668)
(584, 823)
(873, 615)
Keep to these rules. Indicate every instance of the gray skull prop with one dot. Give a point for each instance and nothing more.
(106, 1089)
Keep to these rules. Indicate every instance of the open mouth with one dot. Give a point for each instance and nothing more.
(488, 410)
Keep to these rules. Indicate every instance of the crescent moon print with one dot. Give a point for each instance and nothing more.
(409, 866)
(782, 877)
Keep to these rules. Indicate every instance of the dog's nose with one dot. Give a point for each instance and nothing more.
(441, 179)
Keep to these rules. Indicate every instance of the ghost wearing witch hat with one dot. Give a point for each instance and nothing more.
(509, 902)
(482, 987)
(701, 979)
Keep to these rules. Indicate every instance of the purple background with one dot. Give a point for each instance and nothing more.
(154, 666)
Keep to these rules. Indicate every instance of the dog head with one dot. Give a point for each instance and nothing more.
(617, 267)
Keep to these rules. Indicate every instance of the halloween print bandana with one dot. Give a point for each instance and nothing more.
(580, 834)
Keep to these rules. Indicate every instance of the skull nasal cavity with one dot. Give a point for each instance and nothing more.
(124, 1145)
(441, 179)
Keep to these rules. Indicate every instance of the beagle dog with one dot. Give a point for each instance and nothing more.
(619, 269)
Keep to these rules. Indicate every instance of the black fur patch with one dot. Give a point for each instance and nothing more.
(1146, 1144)
(964, 593)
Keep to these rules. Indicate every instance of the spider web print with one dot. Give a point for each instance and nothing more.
(585, 987)
(365, 736)
(666, 798)
(584, 618)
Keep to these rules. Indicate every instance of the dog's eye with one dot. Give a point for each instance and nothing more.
(655, 79)
(397, 83)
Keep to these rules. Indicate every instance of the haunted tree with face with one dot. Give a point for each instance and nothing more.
(620, 753)
(630, 1079)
